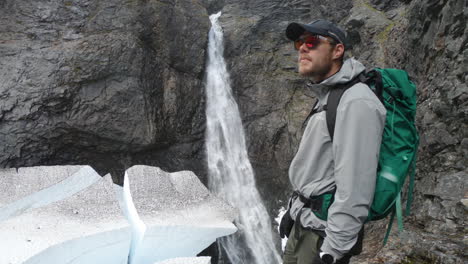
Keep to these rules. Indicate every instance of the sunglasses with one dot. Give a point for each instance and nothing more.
(311, 41)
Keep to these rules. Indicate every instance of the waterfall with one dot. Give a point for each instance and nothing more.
(138, 228)
(230, 173)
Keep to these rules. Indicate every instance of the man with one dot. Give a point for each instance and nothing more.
(344, 166)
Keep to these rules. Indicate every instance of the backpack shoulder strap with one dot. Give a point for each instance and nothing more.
(334, 99)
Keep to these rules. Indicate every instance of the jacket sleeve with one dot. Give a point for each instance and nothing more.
(358, 132)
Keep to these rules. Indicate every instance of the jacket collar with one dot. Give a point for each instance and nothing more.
(350, 69)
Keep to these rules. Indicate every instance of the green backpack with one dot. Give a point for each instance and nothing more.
(400, 140)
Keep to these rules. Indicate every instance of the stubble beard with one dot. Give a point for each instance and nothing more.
(316, 72)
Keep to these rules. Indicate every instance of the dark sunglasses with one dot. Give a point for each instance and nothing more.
(311, 41)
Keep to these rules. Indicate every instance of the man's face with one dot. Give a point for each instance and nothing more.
(315, 62)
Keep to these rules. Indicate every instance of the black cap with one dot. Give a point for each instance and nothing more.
(319, 27)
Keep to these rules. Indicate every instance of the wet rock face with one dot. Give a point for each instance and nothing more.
(426, 38)
(106, 83)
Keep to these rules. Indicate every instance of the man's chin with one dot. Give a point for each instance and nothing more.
(305, 72)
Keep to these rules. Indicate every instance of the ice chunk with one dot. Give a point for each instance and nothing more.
(58, 204)
(181, 216)
(34, 187)
(200, 260)
(178, 198)
(72, 215)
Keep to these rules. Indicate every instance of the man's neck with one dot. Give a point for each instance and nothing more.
(336, 67)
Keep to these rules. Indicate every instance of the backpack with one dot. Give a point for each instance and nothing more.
(397, 158)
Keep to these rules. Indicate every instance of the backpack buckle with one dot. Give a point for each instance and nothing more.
(314, 202)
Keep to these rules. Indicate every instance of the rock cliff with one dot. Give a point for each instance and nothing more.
(116, 83)
(105, 83)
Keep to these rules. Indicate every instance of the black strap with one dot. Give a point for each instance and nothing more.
(297, 225)
(314, 202)
(332, 105)
(377, 81)
(334, 99)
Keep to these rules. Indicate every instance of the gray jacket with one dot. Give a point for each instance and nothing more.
(349, 163)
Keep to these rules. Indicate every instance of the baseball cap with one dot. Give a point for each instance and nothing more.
(320, 27)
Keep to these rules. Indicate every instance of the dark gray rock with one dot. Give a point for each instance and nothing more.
(106, 83)
(212, 6)
(441, 202)
(412, 246)
(385, 5)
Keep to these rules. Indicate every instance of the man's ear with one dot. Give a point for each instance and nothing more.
(338, 52)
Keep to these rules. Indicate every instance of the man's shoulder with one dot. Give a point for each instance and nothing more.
(360, 95)
(359, 91)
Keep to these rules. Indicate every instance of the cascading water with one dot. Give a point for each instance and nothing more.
(137, 226)
(230, 172)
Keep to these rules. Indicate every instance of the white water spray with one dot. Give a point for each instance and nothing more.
(230, 172)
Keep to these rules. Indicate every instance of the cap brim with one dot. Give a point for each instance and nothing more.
(295, 30)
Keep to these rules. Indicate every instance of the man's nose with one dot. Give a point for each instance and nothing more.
(303, 48)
